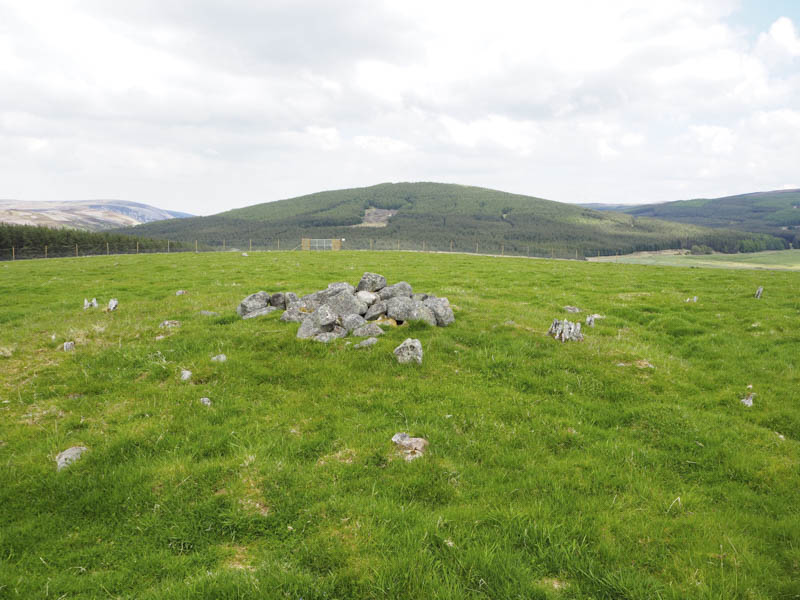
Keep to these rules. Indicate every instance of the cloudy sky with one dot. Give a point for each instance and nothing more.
(204, 105)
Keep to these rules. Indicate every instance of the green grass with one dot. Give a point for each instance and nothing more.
(788, 260)
(551, 472)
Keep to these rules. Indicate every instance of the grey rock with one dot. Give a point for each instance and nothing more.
(290, 298)
(308, 303)
(424, 314)
(748, 400)
(368, 298)
(68, 346)
(329, 336)
(565, 331)
(209, 313)
(345, 303)
(169, 324)
(350, 322)
(294, 315)
(367, 343)
(219, 358)
(112, 305)
(590, 321)
(252, 303)
(185, 375)
(245, 254)
(572, 309)
(371, 282)
(321, 320)
(180, 293)
(69, 456)
(376, 310)
(87, 304)
(759, 291)
(400, 288)
(441, 310)
(278, 300)
(409, 351)
(205, 401)
(368, 330)
(420, 297)
(411, 447)
(400, 308)
(259, 312)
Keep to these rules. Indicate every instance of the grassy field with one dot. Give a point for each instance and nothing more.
(625, 466)
(787, 260)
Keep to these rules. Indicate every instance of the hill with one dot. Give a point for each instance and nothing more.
(444, 216)
(90, 215)
(622, 467)
(776, 213)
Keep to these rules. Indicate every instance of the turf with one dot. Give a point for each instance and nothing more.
(624, 466)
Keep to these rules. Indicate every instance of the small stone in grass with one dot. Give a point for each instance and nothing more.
(186, 375)
(411, 447)
(209, 313)
(169, 324)
(572, 309)
(69, 346)
(367, 343)
(748, 400)
(205, 401)
(69, 456)
(219, 358)
(180, 293)
(112, 305)
(245, 254)
(409, 351)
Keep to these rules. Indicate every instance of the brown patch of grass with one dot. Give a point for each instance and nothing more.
(240, 559)
(344, 456)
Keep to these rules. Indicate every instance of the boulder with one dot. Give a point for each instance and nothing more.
(368, 330)
(411, 447)
(252, 303)
(409, 351)
(371, 282)
(260, 312)
(69, 456)
(278, 300)
(294, 315)
(289, 298)
(424, 314)
(376, 310)
(441, 310)
(420, 297)
(368, 298)
(345, 303)
(400, 288)
(321, 320)
(350, 322)
(329, 336)
(367, 343)
(400, 308)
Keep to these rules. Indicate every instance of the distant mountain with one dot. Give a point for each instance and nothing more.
(601, 206)
(443, 216)
(90, 215)
(776, 213)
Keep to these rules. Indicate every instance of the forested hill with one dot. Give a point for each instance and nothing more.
(442, 216)
(776, 213)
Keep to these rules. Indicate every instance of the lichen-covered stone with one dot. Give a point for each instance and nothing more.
(409, 351)
(371, 282)
(252, 303)
(401, 288)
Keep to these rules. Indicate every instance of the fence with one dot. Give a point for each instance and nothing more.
(482, 247)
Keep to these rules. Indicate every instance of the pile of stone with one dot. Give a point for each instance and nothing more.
(342, 309)
(565, 331)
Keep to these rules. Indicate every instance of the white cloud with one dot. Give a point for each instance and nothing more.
(183, 104)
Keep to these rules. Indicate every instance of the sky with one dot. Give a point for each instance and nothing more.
(205, 105)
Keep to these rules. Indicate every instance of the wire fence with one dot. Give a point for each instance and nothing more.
(482, 247)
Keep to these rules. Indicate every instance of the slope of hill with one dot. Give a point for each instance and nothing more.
(447, 215)
(91, 215)
(776, 212)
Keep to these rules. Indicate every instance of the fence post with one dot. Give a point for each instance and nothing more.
(279, 243)
(223, 245)
(451, 245)
(398, 245)
(502, 249)
(195, 245)
(167, 246)
(76, 250)
(370, 244)
(45, 251)
(528, 251)
(251, 245)
(476, 247)
(13, 253)
(107, 252)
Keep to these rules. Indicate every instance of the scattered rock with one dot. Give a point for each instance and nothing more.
(409, 351)
(185, 375)
(411, 447)
(442, 310)
(69, 456)
(643, 364)
(590, 321)
(6, 352)
(692, 299)
(565, 331)
(252, 303)
(748, 400)
(169, 324)
(205, 401)
(259, 312)
(245, 254)
(321, 320)
(329, 336)
(68, 346)
(367, 343)
(572, 309)
(112, 305)
(160, 337)
(371, 282)
(759, 291)
(180, 293)
(221, 358)
(780, 436)
(87, 304)
(367, 330)
(209, 313)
